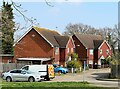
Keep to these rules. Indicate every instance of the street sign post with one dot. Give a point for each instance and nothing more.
(84, 71)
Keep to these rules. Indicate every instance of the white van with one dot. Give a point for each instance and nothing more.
(46, 71)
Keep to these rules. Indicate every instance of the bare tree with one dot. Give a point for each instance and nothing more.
(29, 21)
(71, 29)
(109, 34)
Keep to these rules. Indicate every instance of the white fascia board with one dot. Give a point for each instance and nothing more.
(106, 43)
(28, 32)
(22, 36)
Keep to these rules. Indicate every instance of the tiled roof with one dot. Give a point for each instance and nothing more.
(62, 40)
(53, 37)
(97, 43)
(88, 40)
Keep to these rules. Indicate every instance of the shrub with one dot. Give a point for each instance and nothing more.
(74, 56)
(73, 64)
(115, 60)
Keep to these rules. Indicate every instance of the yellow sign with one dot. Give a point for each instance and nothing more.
(51, 71)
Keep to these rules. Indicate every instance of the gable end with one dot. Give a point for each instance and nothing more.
(27, 33)
(103, 43)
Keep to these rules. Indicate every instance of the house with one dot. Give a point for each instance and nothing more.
(91, 48)
(40, 45)
(6, 58)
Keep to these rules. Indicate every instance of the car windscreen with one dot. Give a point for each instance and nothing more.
(26, 68)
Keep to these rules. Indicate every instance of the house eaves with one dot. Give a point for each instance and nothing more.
(28, 32)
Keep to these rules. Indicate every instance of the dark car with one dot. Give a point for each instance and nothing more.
(59, 69)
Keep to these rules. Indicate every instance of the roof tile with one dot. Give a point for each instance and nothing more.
(88, 39)
(53, 37)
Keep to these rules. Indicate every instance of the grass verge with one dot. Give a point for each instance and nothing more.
(50, 85)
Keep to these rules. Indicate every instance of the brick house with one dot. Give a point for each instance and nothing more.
(40, 44)
(6, 58)
(91, 48)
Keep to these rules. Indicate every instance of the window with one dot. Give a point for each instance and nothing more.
(107, 51)
(56, 50)
(16, 71)
(101, 51)
(9, 61)
(91, 61)
(25, 68)
(68, 50)
(72, 50)
(91, 51)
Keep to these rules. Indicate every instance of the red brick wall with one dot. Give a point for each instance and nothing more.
(69, 49)
(6, 58)
(56, 56)
(80, 49)
(62, 56)
(70, 45)
(89, 55)
(31, 46)
(104, 47)
(64, 52)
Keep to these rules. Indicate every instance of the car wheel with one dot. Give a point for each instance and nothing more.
(8, 79)
(48, 79)
(64, 72)
(59, 71)
(31, 79)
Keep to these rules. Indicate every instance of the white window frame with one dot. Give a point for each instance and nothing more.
(107, 51)
(100, 51)
(56, 50)
(91, 62)
(68, 50)
(91, 51)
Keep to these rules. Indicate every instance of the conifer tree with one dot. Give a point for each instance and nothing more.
(7, 28)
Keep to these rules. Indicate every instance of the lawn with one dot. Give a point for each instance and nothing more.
(50, 85)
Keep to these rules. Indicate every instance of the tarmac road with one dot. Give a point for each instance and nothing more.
(96, 77)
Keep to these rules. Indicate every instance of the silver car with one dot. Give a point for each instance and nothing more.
(21, 75)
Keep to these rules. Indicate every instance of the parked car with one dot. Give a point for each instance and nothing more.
(21, 75)
(59, 69)
(46, 71)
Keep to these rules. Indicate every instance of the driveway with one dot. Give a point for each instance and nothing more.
(91, 76)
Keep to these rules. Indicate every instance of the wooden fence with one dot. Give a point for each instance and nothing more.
(10, 66)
